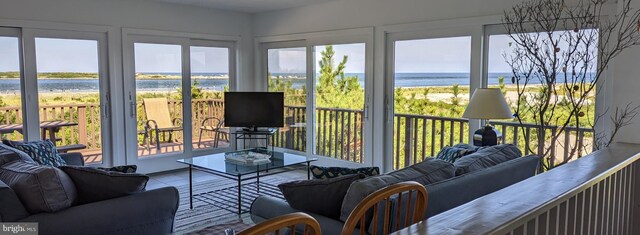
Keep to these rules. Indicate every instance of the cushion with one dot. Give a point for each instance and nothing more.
(320, 196)
(97, 185)
(9, 154)
(11, 209)
(40, 188)
(486, 157)
(451, 154)
(43, 152)
(471, 148)
(121, 169)
(429, 171)
(319, 172)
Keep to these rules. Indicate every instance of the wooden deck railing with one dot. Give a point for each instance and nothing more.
(417, 137)
(339, 132)
(87, 116)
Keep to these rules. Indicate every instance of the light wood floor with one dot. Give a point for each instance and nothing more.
(95, 155)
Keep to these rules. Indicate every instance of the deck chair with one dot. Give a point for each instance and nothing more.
(288, 224)
(159, 119)
(218, 128)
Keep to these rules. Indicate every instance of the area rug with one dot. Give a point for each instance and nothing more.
(205, 214)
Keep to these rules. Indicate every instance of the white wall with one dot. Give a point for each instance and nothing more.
(344, 14)
(626, 87)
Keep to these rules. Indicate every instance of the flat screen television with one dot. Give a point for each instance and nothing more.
(254, 109)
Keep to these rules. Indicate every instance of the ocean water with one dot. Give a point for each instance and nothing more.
(12, 86)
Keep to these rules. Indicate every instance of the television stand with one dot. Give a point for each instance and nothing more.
(256, 134)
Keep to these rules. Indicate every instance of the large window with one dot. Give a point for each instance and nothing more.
(431, 90)
(10, 88)
(69, 95)
(287, 72)
(325, 86)
(340, 101)
(158, 75)
(174, 87)
(209, 81)
(572, 78)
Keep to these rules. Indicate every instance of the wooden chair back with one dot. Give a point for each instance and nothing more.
(274, 225)
(157, 109)
(372, 202)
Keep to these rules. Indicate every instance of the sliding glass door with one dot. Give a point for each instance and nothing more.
(69, 97)
(325, 86)
(66, 73)
(287, 72)
(175, 92)
(158, 82)
(211, 74)
(10, 84)
(340, 109)
(430, 86)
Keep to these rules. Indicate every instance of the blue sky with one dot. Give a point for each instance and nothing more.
(64, 55)
(446, 55)
(164, 58)
(442, 55)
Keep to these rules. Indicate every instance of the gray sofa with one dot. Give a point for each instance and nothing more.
(443, 195)
(149, 212)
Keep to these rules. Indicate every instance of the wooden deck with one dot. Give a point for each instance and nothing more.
(92, 156)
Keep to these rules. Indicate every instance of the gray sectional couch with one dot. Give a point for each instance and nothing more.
(148, 212)
(443, 195)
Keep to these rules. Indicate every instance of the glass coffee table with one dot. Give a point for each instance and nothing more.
(216, 164)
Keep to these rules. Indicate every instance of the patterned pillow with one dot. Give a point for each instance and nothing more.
(319, 172)
(471, 148)
(43, 152)
(451, 154)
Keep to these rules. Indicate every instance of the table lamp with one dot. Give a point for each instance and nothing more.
(485, 104)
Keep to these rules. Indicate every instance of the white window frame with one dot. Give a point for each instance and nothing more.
(386, 37)
(130, 36)
(605, 84)
(310, 40)
(112, 43)
(17, 32)
(31, 81)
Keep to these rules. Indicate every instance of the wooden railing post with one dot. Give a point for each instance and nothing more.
(408, 139)
(82, 124)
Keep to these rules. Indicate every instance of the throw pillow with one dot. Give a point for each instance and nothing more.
(9, 154)
(320, 196)
(429, 171)
(97, 185)
(319, 172)
(487, 157)
(471, 148)
(43, 152)
(451, 154)
(40, 188)
(121, 169)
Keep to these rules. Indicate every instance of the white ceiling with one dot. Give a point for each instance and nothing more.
(248, 6)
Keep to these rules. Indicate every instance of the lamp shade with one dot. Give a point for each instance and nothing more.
(487, 103)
